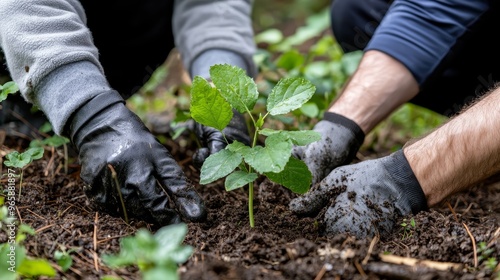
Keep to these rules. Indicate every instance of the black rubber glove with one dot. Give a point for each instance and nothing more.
(341, 139)
(366, 198)
(213, 141)
(105, 132)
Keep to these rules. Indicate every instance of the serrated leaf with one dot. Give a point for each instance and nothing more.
(300, 138)
(219, 165)
(288, 95)
(238, 147)
(271, 158)
(208, 107)
(239, 179)
(295, 176)
(235, 86)
(6, 89)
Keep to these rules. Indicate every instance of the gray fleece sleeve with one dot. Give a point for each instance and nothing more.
(211, 32)
(50, 55)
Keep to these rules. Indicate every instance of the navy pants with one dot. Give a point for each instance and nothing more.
(469, 70)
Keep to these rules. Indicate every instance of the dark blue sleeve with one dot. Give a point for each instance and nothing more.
(419, 33)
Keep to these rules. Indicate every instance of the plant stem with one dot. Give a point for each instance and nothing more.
(250, 204)
(20, 183)
(250, 185)
(117, 184)
(65, 159)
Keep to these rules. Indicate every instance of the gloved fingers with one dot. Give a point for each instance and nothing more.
(182, 192)
(319, 195)
(360, 216)
(200, 156)
(298, 152)
(144, 198)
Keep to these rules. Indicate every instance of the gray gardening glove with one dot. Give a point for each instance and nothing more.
(366, 198)
(341, 139)
(152, 185)
(212, 140)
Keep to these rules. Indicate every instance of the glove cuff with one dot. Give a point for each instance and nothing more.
(90, 109)
(359, 135)
(400, 171)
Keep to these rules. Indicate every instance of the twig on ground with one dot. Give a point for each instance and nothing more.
(96, 262)
(452, 211)
(321, 273)
(473, 243)
(370, 249)
(416, 262)
(19, 215)
(44, 228)
(359, 268)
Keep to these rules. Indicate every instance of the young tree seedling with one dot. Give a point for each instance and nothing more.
(157, 256)
(233, 89)
(54, 141)
(21, 160)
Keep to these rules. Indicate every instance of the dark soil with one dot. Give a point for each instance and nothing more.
(280, 246)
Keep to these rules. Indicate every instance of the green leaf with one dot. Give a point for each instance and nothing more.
(310, 110)
(289, 94)
(208, 107)
(219, 165)
(64, 260)
(269, 36)
(260, 121)
(45, 128)
(239, 179)
(170, 237)
(295, 176)
(6, 89)
(55, 141)
(238, 147)
(110, 277)
(36, 267)
(16, 159)
(271, 158)
(300, 138)
(235, 86)
(290, 60)
(160, 273)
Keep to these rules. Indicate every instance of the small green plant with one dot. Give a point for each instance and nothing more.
(63, 258)
(54, 141)
(157, 256)
(233, 89)
(408, 228)
(6, 89)
(21, 160)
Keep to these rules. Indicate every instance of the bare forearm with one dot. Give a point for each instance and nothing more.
(462, 152)
(377, 88)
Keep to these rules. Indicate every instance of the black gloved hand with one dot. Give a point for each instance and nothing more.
(365, 198)
(341, 139)
(213, 141)
(105, 132)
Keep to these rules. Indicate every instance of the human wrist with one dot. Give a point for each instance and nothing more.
(67, 88)
(411, 196)
(89, 110)
(359, 135)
